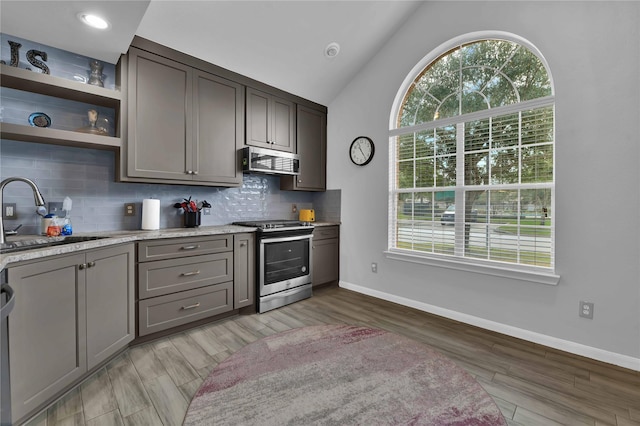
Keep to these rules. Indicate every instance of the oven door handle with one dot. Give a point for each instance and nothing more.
(289, 238)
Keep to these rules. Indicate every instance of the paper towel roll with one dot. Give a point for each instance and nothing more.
(150, 214)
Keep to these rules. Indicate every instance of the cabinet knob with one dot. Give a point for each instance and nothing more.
(243, 244)
(82, 266)
(189, 172)
(195, 172)
(91, 264)
(299, 180)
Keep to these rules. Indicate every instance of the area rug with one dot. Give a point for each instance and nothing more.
(340, 375)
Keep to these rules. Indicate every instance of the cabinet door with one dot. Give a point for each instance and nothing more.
(47, 326)
(110, 302)
(283, 125)
(312, 149)
(218, 129)
(326, 261)
(258, 119)
(244, 266)
(270, 121)
(160, 104)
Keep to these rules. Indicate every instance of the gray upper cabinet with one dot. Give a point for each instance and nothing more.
(270, 121)
(312, 149)
(184, 125)
(219, 129)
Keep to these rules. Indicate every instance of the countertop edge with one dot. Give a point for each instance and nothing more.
(121, 237)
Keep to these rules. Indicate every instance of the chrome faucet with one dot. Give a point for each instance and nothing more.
(37, 196)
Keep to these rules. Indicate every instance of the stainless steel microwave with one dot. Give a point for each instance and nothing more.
(262, 160)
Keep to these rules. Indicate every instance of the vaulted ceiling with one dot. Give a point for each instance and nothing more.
(280, 43)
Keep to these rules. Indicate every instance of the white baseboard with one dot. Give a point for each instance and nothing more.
(531, 336)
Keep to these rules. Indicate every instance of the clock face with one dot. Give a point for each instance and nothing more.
(361, 150)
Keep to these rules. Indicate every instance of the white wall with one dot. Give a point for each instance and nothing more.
(593, 51)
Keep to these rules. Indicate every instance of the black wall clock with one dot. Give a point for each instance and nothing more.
(361, 150)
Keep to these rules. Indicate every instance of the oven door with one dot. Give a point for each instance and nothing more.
(285, 262)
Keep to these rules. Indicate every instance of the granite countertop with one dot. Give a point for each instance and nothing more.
(108, 238)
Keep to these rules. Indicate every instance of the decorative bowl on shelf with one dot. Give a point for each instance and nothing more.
(39, 119)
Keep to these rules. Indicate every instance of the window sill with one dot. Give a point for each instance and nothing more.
(534, 276)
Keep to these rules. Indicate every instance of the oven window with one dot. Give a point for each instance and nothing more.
(285, 260)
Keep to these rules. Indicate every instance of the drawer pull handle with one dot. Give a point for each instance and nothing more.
(188, 274)
(195, 305)
(197, 246)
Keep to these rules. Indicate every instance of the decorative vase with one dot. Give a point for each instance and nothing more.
(96, 77)
(191, 219)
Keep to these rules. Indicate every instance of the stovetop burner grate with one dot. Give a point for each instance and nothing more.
(275, 224)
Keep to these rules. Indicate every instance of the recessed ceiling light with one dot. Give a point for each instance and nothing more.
(332, 50)
(93, 21)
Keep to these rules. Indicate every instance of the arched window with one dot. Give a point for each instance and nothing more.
(472, 156)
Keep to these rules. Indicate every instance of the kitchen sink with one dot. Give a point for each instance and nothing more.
(44, 243)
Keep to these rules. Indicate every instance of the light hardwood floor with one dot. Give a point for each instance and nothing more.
(152, 384)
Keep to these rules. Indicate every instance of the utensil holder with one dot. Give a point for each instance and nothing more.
(192, 219)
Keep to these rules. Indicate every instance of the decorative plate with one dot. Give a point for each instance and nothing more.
(39, 119)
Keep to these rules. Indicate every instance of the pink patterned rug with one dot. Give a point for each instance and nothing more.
(340, 375)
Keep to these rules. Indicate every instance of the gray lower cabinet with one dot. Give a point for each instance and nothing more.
(311, 143)
(181, 280)
(110, 295)
(244, 270)
(71, 313)
(326, 254)
(184, 125)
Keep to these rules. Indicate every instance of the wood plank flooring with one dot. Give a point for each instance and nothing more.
(152, 384)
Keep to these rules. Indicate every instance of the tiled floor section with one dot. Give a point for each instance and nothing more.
(152, 384)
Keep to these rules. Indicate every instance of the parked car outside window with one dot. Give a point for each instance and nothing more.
(449, 215)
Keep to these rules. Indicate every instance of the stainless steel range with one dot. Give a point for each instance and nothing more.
(283, 262)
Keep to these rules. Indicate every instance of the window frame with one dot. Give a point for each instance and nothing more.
(520, 271)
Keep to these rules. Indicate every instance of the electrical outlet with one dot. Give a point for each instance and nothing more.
(294, 208)
(9, 211)
(129, 209)
(586, 310)
(374, 267)
(55, 208)
(206, 211)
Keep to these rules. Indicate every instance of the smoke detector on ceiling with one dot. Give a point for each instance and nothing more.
(332, 50)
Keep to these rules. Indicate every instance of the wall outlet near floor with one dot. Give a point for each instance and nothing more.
(129, 209)
(206, 211)
(9, 211)
(586, 310)
(294, 208)
(374, 267)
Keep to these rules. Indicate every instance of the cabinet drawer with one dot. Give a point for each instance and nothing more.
(324, 232)
(163, 312)
(168, 276)
(183, 247)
